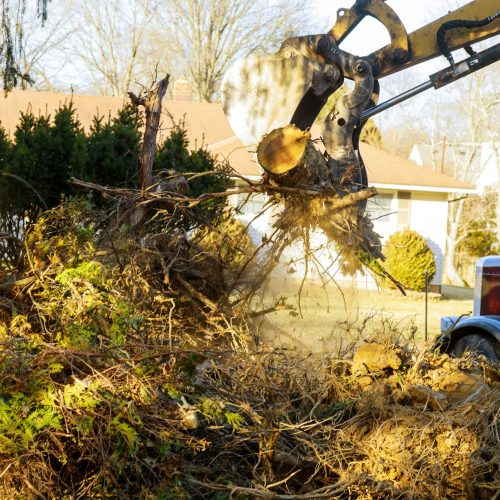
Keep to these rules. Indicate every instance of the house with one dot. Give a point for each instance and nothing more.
(478, 163)
(409, 195)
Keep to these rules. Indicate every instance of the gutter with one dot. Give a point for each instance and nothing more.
(431, 189)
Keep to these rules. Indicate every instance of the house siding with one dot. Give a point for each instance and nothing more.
(429, 217)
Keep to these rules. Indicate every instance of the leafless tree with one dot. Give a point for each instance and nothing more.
(111, 46)
(210, 34)
(469, 119)
(42, 54)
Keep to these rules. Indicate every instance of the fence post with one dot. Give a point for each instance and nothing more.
(426, 301)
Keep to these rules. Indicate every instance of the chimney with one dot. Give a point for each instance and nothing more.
(182, 90)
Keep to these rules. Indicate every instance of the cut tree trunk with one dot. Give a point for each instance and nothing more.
(291, 159)
(289, 155)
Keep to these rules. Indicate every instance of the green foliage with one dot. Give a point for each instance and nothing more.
(22, 419)
(64, 235)
(92, 271)
(408, 257)
(11, 248)
(44, 155)
(113, 149)
(478, 233)
(5, 149)
(215, 412)
(479, 241)
(174, 154)
(126, 435)
(55, 413)
(92, 309)
(81, 395)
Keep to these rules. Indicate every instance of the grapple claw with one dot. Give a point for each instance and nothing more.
(260, 94)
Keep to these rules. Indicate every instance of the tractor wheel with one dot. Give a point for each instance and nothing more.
(479, 343)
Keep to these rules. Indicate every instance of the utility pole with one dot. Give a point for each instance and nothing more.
(443, 154)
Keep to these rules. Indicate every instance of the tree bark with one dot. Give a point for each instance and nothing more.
(451, 246)
(152, 106)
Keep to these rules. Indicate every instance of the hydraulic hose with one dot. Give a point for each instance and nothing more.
(458, 23)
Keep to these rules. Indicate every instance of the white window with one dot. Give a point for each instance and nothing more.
(379, 208)
(251, 204)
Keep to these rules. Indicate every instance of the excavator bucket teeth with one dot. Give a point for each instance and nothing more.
(260, 94)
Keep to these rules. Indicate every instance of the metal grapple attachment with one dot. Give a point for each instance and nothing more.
(261, 94)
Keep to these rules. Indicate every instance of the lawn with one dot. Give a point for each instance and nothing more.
(325, 313)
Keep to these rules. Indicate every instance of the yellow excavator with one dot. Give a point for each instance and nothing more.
(261, 94)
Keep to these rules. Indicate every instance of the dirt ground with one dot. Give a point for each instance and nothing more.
(325, 314)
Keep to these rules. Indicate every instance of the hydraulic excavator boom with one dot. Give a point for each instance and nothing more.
(260, 94)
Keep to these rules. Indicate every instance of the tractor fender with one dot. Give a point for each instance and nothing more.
(489, 325)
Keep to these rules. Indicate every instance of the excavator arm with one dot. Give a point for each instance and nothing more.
(469, 24)
(293, 85)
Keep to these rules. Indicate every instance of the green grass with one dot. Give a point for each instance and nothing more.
(324, 312)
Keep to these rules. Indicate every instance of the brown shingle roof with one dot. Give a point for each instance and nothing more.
(385, 168)
(233, 151)
(206, 125)
(46, 103)
(205, 122)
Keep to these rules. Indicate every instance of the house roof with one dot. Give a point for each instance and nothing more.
(386, 169)
(46, 103)
(206, 126)
(205, 122)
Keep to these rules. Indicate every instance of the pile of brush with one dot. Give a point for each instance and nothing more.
(126, 372)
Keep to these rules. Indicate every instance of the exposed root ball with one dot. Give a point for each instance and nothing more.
(313, 192)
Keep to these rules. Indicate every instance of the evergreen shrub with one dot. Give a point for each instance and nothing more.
(408, 257)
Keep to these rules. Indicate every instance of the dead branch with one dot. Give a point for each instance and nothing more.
(152, 103)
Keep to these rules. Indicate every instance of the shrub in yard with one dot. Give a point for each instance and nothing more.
(174, 154)
(34, 172)
(479, 241)
(44, 155)
(113, 148)
(5, 148)
(408, 257)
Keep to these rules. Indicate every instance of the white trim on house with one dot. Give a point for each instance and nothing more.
(249, 177)
(431, 189)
